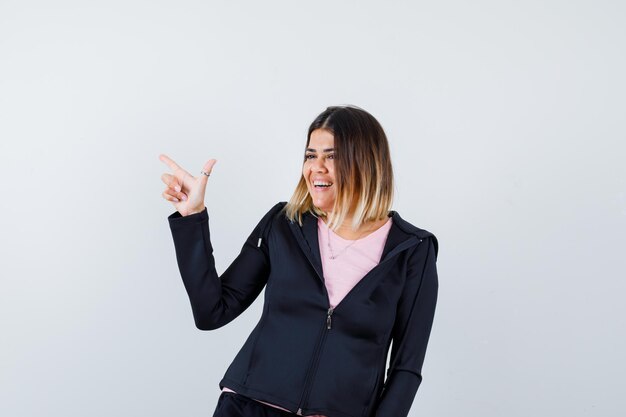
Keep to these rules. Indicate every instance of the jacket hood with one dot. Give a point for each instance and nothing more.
(407, 227)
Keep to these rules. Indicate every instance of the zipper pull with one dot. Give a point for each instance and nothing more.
(328, 320)
(258, 245)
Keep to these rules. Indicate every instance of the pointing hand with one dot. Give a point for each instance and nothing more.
(185, 191)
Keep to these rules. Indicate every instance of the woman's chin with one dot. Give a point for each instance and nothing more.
(324, 207)
(323, 203)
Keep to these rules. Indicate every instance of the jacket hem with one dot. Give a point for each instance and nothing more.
(258, 395)
(264, 396)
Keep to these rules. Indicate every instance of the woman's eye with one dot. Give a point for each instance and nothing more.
(311, 156)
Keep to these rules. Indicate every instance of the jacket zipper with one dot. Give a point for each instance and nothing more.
(313, 367)
(328, 319)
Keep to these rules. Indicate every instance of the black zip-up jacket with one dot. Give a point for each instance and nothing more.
(302, 354)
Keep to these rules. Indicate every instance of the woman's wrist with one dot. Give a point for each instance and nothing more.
(194, 211)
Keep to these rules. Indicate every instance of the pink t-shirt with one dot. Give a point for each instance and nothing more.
(354, 259)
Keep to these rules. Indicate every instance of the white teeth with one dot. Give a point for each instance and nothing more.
(328, 184)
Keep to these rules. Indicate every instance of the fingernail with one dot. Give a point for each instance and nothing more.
(175, 199)
(184, 198)
(177, 188)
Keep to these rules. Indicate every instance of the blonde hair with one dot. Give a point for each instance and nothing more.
(363, 171)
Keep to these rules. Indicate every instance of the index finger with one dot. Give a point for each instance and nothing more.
(169, 162)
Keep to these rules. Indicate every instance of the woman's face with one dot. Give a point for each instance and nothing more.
(319, 167)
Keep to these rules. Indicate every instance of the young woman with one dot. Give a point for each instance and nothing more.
(345, 278)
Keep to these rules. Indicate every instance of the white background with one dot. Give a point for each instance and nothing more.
(506, 124)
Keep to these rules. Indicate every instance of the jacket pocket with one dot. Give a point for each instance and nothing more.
(373, 396)
(240, 367)
(252, 359)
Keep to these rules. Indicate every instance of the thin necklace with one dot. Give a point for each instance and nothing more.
(333, 255)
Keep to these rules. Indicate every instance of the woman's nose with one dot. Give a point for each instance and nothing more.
(319, 165)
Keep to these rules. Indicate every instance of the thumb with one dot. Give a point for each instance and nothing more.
(208, 167)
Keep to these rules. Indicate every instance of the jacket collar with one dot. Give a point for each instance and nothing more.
(401, 235)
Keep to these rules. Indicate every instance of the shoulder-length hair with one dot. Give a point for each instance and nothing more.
(363, 171)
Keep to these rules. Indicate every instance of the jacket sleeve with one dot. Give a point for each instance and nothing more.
(414, 318)
(217, 300)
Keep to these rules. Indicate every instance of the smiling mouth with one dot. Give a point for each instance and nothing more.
(318, 184)
(322, 185)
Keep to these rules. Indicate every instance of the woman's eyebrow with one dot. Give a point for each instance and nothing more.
(325, 150)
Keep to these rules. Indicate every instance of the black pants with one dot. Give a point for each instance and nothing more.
(231, 404)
